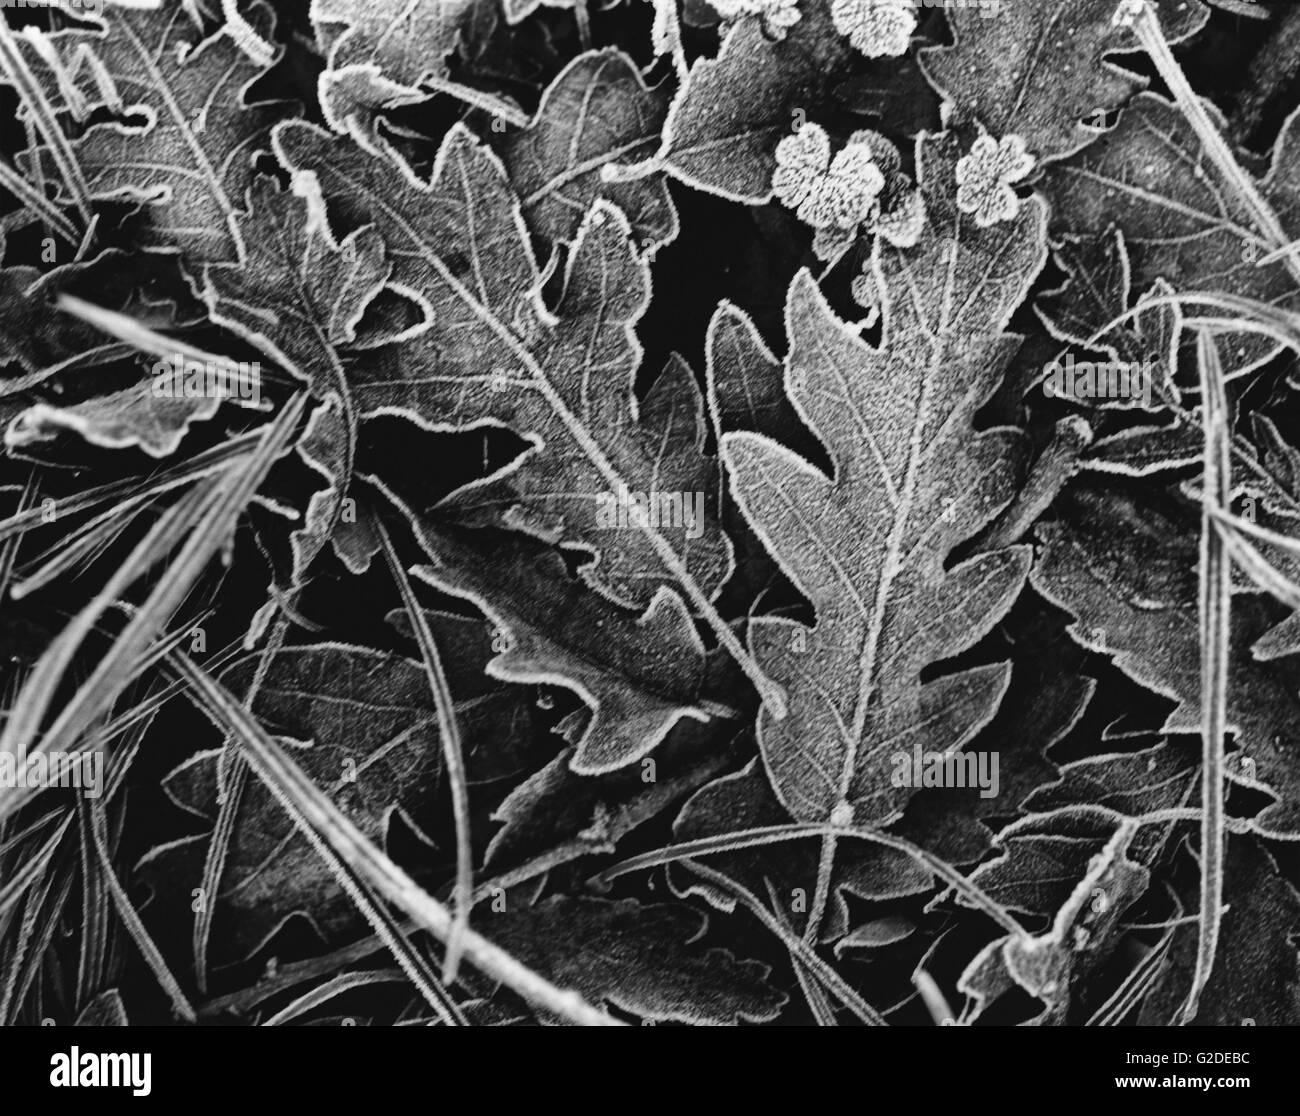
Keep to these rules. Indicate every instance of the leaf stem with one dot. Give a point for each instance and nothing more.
(476, 98)
(772, 835)
(798, 947)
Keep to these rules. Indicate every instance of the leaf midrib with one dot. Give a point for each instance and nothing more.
(187, 133)
(902, 516)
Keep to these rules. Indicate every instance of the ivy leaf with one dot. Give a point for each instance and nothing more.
(367, 735)
(1127, 572)
(911, 479)
(191, 162)
(724, 124)
(1039, 71)
(598, 112)
(492, 353)
(638, 957)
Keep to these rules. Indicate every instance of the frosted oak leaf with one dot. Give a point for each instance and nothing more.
(877, 28)
(778, 16)
(984, 179)
(826, 193)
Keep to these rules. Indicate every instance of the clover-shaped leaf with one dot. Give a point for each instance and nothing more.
(984, 179)
(878, 28)
(827, 193)
(778, 16)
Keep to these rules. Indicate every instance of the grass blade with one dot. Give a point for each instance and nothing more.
(1215, 617)
(452, 751)
(796, 945)
(1147, 28)
(318, 817)
(131, 919)
(323, 993)
(770, 835)
(15, 68)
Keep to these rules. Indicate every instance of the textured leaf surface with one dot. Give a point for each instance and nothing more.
(1040, 70)
(640, 958)
(298, 297)
(867, 546)
(1099, 292)
(134, 416)
(1081, 936)
(1047, 851)
(361, 724)
(726, 121)
(190, 162)
(1151, 177)
(1136, 600)
(557, 809)
(597, 113)
(639, 675)
(380, 52)
(407, 39)
(494, 354)
(745, 382)
(1257, 981)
